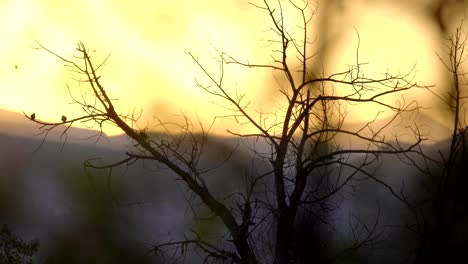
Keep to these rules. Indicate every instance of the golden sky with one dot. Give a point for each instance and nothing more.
(149, 68)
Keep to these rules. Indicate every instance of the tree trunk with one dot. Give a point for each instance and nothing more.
(284, 236)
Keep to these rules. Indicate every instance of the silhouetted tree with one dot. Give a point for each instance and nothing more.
(308, 165)
(443, 233)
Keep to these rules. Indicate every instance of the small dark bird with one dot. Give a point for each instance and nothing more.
(33, 116)
(64, 119)
(16, 66)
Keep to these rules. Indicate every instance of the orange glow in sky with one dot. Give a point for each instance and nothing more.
(148, 40)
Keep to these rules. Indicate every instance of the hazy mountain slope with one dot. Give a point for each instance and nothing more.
(46, 192)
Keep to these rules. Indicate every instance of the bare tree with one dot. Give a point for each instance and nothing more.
(443, 236)
(309, 164)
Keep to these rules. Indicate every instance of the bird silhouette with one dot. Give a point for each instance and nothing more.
(64, 119)
(33, 116)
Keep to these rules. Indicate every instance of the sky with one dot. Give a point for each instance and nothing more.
(149, 68)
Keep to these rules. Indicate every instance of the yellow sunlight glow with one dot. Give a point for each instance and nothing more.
(149, 69)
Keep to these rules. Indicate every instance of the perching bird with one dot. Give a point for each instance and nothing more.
(33, 116)
(64, 119)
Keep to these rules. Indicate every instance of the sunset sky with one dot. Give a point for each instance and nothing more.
(148, 40)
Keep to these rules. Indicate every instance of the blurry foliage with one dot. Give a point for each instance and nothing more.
(95, 238)
(13, 250)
